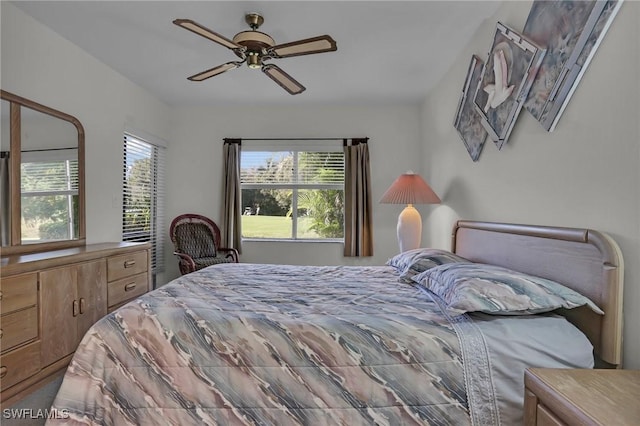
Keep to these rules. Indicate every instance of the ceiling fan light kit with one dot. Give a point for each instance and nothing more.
(255, 47)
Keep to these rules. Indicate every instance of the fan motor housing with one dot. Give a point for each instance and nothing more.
(254, 41)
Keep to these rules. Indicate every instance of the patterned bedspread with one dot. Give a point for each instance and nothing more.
(239, 344)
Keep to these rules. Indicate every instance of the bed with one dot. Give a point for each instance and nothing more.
(344, 345)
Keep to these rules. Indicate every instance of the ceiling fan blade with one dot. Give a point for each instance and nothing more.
(283, 79)
(215, 71)
(207, 33)
(307, 46)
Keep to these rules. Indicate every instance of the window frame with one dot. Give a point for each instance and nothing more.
(295, 147)
(64, 157)
(157, 157)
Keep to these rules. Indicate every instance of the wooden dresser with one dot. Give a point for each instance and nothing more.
(581, 397)
(48, 301)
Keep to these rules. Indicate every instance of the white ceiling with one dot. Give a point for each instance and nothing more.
(388, 51)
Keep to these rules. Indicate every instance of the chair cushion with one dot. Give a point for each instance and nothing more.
(196, 240)
(208, 261)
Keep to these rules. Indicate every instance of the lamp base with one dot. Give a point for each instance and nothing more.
(409, 229)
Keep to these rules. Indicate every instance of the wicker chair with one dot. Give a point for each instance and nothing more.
(196, 240)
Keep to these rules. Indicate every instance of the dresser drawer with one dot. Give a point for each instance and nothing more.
(19, 364)
(127, 288)
(126, 265)
(18, 327)
(18, 292)
(545, 417)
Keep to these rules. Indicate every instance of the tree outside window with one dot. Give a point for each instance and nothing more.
(296, 194)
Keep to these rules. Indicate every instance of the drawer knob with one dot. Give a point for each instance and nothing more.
(75, 308)
(3, 371)
(0, 295)
(129, 286)
(1, 333)
(82, 305)
(129, 263)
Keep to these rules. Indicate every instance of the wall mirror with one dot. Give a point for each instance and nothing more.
(41, 177)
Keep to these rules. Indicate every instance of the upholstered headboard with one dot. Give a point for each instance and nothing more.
(587, 261)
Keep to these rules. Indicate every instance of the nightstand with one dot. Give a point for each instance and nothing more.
(581, 397)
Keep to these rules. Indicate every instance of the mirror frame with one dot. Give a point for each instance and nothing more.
(15, 243)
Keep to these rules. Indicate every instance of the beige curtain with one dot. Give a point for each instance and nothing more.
(358, 219)
(232, 197)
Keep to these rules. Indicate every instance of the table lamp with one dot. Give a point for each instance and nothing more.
(409, 189)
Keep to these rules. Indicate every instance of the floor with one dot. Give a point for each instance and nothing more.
(30, 411)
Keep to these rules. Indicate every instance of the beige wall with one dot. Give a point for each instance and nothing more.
(195, 171)
(40, 65)
(585, 174)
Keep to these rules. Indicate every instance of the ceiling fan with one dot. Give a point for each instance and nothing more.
(255, 47)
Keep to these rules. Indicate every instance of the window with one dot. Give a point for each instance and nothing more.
(143, 197)
(292, 189)
(49, 195)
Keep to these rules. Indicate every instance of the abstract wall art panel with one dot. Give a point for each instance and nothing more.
(508, 73)
(571, 31)
(467, 120)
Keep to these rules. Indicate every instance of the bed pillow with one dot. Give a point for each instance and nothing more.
(413, 262)
(477, 287)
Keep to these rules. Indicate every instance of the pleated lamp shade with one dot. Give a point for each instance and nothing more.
(409, 189)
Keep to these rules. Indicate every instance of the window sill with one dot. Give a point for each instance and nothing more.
(300, 240)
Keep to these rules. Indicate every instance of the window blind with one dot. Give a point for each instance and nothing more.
(49, 194)
(49, 173)
(292, 167)
(143, 195)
